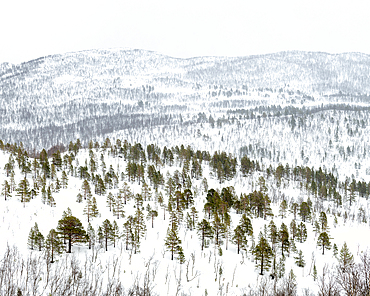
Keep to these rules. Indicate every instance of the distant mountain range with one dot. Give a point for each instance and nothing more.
(47, 99)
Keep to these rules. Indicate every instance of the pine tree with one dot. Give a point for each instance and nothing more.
(301, 232)
(218, 229)
(273, 233)
(323, 222)
(263, 254)
(172, 241)
(162, 204)
(204, 231)
(79, 198)
(94, 208)
(283, 209)
(6, 190)
(304, 211)
(72, 230)
(139, 225)
(35, 238)
(128, 232)
(239, 238)
(64, 180)
(115, 233)
(90, 233)
(246, 224)
(86, 190)
(50, 199)
(118, 210)
(324, 241)
(299, 260)
(345, 258)
(126, 193)
(194, 216)
(57, 185)
(284, 239)
(151, 215)
(146, 192)
(293, 230)
(23, 191)
(105, 233)
(53, 245)
(110, 201)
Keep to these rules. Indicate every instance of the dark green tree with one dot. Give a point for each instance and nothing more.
(172, 241)
(53, 245)
(23, 191)
(205, 231)
(284, 239)
(301, 232)
(324, 241)
(105, 233)
(299, 259)
(263, 254)
(71, 229)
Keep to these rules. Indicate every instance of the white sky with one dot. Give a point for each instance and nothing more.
(187, 28)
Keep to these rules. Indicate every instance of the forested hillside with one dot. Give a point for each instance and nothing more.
(118, 218)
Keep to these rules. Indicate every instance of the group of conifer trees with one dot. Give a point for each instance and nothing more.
(143, 167)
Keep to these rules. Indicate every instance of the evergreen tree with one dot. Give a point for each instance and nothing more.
(194, 216)
(283, 209)
(90, 233)
(323, 222)
(151, 215)
(64, 180)
(301, 232)
(218, 229)
(106, 233)
(118, 210)
(23, 191)
(126, 193)
(110, 201)
(91, 208)
(53, 245)
(239, 238)
(6, 190)
(273, 234)
(115, 233)
(128, 232)
(263, 254)
(172, 241)
(72, 230)
(293, 230)
(50, 199)
(79, 198)
(304, 211)
(284, 239)
(146, 191)
(86, 190)
(299, 260)
(35, 238)
(324, 241)
(345, 258)
(246, 224)
(139, 224)
(162, 204)
(205, 231)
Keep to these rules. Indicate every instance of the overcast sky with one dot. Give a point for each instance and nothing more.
(33, 28)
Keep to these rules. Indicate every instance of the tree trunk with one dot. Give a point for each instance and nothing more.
(69, 245)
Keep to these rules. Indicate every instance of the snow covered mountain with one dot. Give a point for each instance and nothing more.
(55, 98)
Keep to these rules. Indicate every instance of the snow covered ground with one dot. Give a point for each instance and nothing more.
(204, 272)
